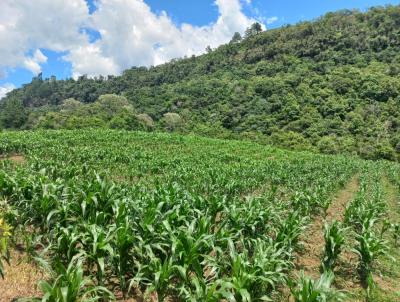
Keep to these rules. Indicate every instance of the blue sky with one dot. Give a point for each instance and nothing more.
(201, 12)
(100, 57)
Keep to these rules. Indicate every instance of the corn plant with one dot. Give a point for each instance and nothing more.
(252, 275)
(334, 235)
(70, 285)
(290, 229)
(5, 233)
(97, 247)
(386, 226)
(396, 233)
(147, 213)
(201, 289)
(369, 248)
(309, 290)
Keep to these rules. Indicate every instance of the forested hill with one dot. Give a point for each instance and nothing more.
(331, 85)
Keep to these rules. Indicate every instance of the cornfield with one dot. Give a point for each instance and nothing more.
(115, 214)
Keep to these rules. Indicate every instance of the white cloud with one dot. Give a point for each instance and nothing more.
(5, 88)
(271, 20)
(131, 34)
(30, 25)
(33, 63)
(89, 60)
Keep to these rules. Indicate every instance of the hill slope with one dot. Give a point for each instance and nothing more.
(330, 85)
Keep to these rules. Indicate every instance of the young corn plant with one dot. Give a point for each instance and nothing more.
(70, 285)
(97, 247)
(309, 290)
(163, 274)
(253, 273)
(369, 248)
(386, 226)
(396, 233)
(201, 289)
(334, 235)
(290, 229)
(122, 259)
(5, 233)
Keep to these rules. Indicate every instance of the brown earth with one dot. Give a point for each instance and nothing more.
(21, 279)
(313, 241)
(17, 159)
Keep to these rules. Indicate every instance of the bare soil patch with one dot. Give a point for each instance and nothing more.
(21, 279)
(338, 205)
(17, 159)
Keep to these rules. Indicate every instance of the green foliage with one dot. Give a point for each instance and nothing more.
(5, 233)
(309, 290)
(13, 114)
(396, 233)
(330, 85)
(70, 285)
(169, 216)
(362, 214)
(171, 121)
(334, 242)
(369, 248)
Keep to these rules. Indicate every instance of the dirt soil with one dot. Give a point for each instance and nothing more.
(21, 279)
(17, 159)
(309, 260)
(313, 239)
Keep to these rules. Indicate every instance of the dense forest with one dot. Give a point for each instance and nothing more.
(331, 85)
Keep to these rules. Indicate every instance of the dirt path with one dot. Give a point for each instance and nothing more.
(309, 260)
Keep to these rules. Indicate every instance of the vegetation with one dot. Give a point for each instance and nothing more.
(114, 212)
(309, 290)
(331, 85)
(126, 214)
(4, 238)
(334, 241)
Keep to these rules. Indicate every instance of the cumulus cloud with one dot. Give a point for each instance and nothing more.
(130, 34)
(5, 88)
(33, 63)
(27, 26)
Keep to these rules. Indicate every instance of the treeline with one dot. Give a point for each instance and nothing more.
(331, 85)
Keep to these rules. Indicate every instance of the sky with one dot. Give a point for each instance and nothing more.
(104, 37)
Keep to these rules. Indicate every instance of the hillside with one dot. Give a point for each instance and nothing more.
(331, 85)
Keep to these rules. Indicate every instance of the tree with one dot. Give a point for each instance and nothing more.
(172, 121)
(111, 104)
(145, 121)
(253, 30)
(236, 38)
(70, 105)
(12, 114)
(328, 145)
(124, 120)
